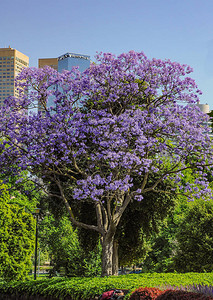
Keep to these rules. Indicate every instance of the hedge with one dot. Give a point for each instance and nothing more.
(77, 288)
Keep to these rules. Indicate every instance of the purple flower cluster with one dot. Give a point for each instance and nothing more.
(109, 129)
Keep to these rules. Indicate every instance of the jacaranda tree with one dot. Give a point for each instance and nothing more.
(103, 134)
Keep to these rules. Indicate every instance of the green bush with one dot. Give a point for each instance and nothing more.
(61, 242)
(195, 239)
(17, 230)
(185, 240)
(86, 288)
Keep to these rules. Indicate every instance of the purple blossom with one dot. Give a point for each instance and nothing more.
(109, 127)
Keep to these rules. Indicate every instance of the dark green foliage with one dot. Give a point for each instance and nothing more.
(53, 204)
(185, 241)
(195, 238)
(17, 235)
(139, 222)
(163, 245)
(68, 257)
(88, 239)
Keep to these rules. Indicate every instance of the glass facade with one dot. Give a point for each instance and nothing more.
(69, 60)
(64, 62)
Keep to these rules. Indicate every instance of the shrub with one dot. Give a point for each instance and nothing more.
(194, 238)
(17, 229)
(145, 293)
(182, 295)
(83, 288)
(68, 257)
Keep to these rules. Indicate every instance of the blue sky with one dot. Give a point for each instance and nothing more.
(181, 30)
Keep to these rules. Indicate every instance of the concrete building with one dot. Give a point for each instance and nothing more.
(206, 110)
(51, 62)
(11, 63)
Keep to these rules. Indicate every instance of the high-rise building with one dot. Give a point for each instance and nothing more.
(64, 62)
(11, 63)
(69, 60)
(51, 62)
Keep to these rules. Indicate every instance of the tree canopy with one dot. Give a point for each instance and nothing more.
(110, 129)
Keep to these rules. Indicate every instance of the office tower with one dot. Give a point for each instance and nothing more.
(69, 60)
(11, 63)
(51, 62)
(64, 62)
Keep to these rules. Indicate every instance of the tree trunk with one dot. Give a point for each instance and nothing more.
(115, 258)
(107, 253)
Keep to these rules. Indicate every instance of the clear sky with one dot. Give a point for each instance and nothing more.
(181, 30)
